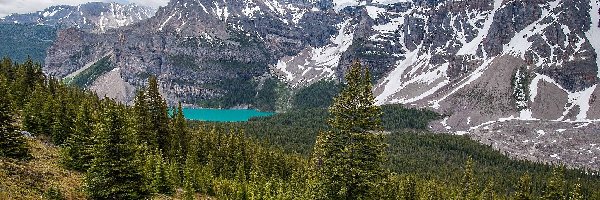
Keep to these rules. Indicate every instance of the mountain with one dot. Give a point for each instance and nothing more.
(20, 42)
(93, 17)
(518, 75)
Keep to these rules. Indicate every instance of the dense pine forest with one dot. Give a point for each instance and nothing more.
(350, 150)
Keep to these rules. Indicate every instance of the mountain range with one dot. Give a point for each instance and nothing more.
(520, 76)
(93, 17)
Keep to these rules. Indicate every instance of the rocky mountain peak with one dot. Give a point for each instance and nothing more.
(94, 17)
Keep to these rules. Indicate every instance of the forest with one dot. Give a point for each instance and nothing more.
(351, 150)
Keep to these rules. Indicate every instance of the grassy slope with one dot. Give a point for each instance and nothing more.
(31, 179)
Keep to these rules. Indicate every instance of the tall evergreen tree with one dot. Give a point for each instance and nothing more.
(555, 186)
(78, 148)
(37, 117)
(524, 190)
(12, 143)
(143, 125)
(469, 186)
(112, 174)
(349, 159)
(179, 136)
(159, 117)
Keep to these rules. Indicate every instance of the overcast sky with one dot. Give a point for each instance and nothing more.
(8, 7)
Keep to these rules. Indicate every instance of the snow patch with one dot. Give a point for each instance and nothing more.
(470, 48)
(594, 32)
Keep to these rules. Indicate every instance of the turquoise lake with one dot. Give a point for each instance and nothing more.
(222, 115)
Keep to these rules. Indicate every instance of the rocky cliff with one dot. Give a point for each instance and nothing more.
(92, 17)
(480, 62)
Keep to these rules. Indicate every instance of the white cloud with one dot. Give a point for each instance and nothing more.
(8, 7)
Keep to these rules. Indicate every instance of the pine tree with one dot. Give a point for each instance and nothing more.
(179, 136)
(112, 174)
(348, 160)
(488, 192)
(12, 143)
(160, 183)
(143, 126)
(37, 116)
(469, 187)
(189, 177)
(575, 193)
(555, 186)
(159, 117)
(78, 149)
(409, 189)
(524, 190)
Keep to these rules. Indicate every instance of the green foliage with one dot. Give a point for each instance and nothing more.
(112, 174)
(12, 143)
(77, 152)
(89, 75)
(469, 186)
(256, 159)
(348, 160)
(152, 118)
(317, 95)
(266, 97)
(524, 190)
(555, 185)
(53, 194)
(396, 118)
(23, 42)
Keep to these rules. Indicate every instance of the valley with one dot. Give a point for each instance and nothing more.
(507, 86)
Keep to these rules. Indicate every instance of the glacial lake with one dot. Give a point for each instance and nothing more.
(222, 115)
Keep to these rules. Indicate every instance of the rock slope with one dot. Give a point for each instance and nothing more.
(93, 17)
(478, 62)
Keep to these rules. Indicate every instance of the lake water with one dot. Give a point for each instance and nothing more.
(222, 115)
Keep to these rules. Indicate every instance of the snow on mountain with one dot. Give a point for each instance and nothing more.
(459, 58)
(95, 17)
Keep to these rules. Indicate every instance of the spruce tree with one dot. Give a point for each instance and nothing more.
(555, 185)
(524, 190)
(159, 117)
(469, 187)
(179, 136)
(145, 134)
(576, 193)
(78, 149)
(112, 174)
(12, 143)
(37, 116)
(348, 159)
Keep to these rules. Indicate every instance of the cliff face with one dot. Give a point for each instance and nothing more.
(480, 62)
(92, 17)
(422, 52)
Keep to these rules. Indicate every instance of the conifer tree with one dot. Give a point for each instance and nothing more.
(160, 183)
(78, 149)
(179, 136)
(555, 185)
(189, 177)
(575, 193)
(469, 186)
(159, 117)
(348, 160)
(524, 190)
(112, 174)
(409, 189)
(12, 143)
(145, 134)
(37, 117)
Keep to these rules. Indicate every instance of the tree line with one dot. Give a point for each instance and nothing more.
(136, 152)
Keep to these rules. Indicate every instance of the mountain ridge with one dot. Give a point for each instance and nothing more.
(459, 58)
